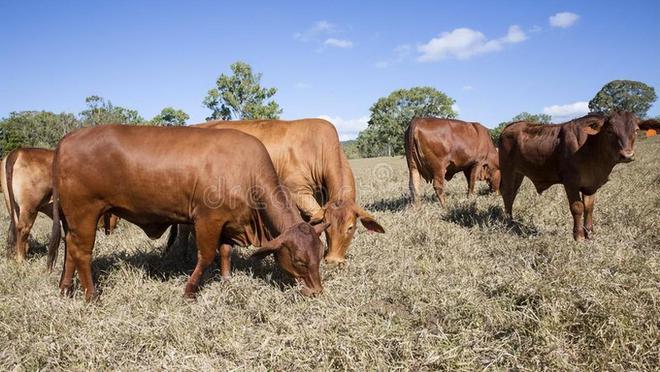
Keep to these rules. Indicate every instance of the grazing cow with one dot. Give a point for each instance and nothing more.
(310, 162)
(437, 149)
(26, 183)
(579, 154)
(221, 181)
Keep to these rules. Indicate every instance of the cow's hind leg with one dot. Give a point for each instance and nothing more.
(577, 210)
(588, 201)
(471, 177)
(413, 184)
(207, 234)
(23, 228)
(79, 240)
(511, 182)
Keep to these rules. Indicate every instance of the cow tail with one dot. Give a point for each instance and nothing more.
(56, 232)
(416, 158)
(14, 209)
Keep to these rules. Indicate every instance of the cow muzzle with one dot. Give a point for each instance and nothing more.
(309, 288)
(626, 156)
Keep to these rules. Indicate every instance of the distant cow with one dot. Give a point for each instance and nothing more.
(310, 162)
(221, 181)
(25, 175)
(437, 149)
(579, 154)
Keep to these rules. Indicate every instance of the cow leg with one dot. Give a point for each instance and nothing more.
(588, 201)
(471, 177)
(413, 184)
(207, 233)
(439, 185)
(510, 184)
(79, 241)
(577, 210)
(225, 261)
(25, 223)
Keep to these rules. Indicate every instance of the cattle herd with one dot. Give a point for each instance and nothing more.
(279, 185)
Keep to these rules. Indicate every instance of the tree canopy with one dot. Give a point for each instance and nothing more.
(35, 129)
(241, 96)
(170, 117)
(391, 115)
(625, 95)
(99, 111)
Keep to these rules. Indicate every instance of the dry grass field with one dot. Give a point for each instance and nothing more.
(454, 289)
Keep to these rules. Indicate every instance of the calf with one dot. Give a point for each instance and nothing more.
(579, 154)
(223, 182)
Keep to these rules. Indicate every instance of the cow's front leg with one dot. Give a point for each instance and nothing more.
(207, 233)
(225, 261)
(577, 210)
(589, 201)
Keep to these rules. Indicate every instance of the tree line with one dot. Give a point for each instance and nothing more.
(239, 95)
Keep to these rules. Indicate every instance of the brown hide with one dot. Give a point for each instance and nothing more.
(578, 154)
(436, 149)
(223, 182)
(309, 160)
(26, 184)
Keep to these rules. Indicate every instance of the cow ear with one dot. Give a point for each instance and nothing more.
(592, 127)
(317, 217)
(266, 249)
(320, 228)
(368, 221)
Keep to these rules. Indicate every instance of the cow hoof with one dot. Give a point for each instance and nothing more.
(191, 292)
(334, 263)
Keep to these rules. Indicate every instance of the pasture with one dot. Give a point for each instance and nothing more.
(459, 288)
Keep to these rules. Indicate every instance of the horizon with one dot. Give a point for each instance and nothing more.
(330, 61)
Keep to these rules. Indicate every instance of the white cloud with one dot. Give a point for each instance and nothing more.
(316, 31)
(563, 19)
(467, 88)
(339, 43)
(347, 129)
(464, 43)
(568, 111)
(401, 52)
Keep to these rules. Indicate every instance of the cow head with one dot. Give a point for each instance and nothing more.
(298, 251)
(491, 170)
(342, 215)
(617, 132)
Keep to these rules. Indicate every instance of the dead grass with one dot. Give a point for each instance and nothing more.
(454, 289)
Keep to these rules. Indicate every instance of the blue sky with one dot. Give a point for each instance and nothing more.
(332, 59)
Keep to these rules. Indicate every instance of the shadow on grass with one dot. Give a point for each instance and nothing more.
(36, 248)
(468, 215)
(163, 264)
(399, 203)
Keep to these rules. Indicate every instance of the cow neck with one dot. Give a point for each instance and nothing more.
(599, 144)
(280, 212)
(340, 184)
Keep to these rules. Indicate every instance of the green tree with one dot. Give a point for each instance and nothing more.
(240, 96)
(99, 111)
(170, 117)
(391, 115)
(625, 95)
(35, 129)
(526, 116)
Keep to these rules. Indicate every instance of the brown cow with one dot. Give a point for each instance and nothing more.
(437, 149)
(26, 183)
(310, 162)
(221, 181)
(579, 154)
